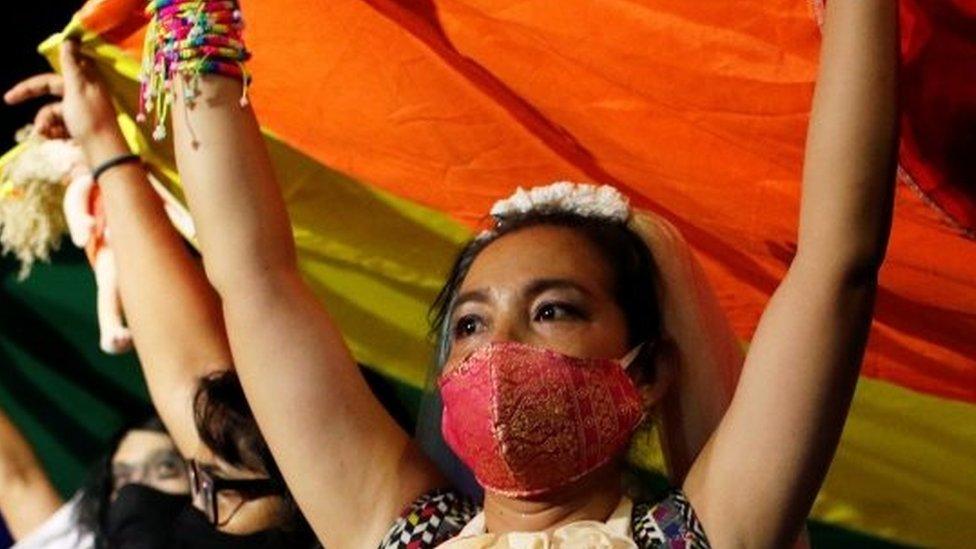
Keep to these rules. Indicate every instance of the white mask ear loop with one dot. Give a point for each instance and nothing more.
(629, 358)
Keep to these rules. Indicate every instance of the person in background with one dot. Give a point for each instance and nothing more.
(540, 382)
(239, 498)
(141, 464)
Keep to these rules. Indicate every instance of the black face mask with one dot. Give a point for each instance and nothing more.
(142, 517)
(193, 530)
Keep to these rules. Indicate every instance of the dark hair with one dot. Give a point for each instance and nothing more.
(96, 494)
(635, 291)
(227, 427)
(634, 272)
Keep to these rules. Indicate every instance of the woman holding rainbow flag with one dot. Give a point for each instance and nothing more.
(568, 322)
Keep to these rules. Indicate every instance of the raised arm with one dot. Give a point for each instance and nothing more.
(756, 480)
(27, 498)
(340, 452)
(172, 311)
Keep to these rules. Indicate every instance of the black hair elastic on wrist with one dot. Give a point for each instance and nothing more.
(113, 162)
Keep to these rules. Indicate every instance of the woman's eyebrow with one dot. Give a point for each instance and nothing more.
(540, 285)
(211, 468)
(477, 296)
(162, 453)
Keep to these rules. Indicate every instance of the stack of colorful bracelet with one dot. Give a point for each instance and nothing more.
(187, 39)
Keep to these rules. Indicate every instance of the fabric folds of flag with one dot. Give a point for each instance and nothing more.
(394, 124)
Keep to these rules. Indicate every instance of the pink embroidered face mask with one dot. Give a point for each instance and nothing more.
(528, 420)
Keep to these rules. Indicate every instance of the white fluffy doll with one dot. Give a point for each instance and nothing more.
(47, 190)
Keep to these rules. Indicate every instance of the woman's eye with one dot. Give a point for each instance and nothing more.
(168, 469)
(467, 325)
(556, 311)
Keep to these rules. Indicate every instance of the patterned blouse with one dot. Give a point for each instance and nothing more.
(440, 515)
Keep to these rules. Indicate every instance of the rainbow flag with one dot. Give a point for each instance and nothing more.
(394, 124)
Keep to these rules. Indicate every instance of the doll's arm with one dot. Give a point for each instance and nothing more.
(79, 219)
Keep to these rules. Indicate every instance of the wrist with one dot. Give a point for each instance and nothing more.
(102, 146)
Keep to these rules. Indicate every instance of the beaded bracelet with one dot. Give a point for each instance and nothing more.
(188, 39)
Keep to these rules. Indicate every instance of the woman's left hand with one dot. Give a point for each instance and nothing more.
(85, 113)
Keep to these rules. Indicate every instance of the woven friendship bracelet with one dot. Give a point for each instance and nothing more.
(188, 39)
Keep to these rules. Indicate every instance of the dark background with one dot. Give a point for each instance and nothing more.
(65, 396)
(48, 333)
(24, 27)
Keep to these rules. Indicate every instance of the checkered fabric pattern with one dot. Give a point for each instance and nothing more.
(440, 515)
(670, 523)
(430, 520)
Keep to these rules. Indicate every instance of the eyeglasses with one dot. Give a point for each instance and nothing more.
(205, 487)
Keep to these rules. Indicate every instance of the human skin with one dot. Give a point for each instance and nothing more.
(330, 436)
(27, 497)
(172, 311)
(152, 459)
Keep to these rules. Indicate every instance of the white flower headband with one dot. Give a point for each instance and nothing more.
(583, 199)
